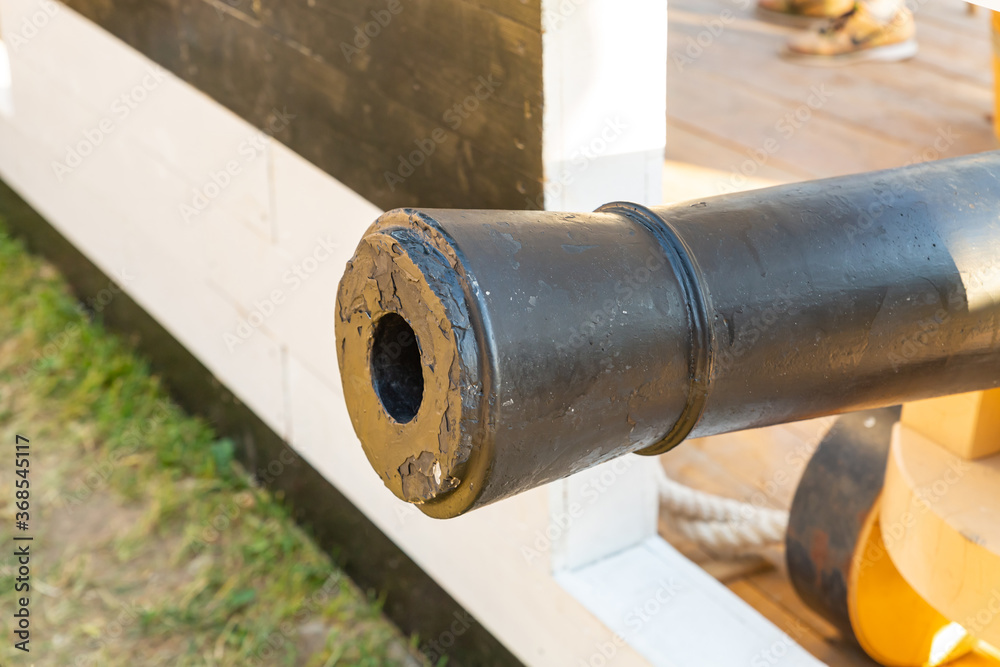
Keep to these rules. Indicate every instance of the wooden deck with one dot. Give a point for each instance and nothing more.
(741, 117)
(725, 104)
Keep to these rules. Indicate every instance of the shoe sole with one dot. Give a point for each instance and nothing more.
(888, 54)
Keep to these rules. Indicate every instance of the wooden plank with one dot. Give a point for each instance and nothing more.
(816, 141)
(701, 164)
(872, 97)
(482, 43)
(361, 118)
(954, 15)
(955, 53)
(660, 603)
(775, 585)
(833, 653)
(761, 466)
(967, 425)
(690, 464)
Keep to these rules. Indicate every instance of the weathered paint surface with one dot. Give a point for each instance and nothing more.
(705, 317)
(407, 102)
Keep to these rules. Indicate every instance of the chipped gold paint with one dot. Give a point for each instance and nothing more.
(397, 270)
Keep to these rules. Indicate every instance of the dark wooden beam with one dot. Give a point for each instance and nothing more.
(449, 88)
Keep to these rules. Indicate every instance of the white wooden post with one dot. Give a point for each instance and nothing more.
(605, 74)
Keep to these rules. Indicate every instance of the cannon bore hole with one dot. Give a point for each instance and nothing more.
(397, 374)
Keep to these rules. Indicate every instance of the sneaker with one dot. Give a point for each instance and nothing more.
(802, 12)
(855, 37)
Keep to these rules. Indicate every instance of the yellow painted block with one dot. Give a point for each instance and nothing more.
(892, 623)
(996, 73)
(940, 519)
(968, 425)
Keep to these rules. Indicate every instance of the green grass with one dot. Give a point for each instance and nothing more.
(152, 545)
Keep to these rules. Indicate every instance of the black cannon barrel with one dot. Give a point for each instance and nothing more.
(484, 353)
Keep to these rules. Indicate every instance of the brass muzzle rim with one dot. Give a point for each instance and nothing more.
(412, 366)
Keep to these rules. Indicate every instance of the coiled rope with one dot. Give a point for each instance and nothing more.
(724, 525)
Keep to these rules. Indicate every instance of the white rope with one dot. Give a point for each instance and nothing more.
(694, 504)
(730, 538)
(726, 525)
(717, 523)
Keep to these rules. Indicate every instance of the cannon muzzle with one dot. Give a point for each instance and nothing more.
(484, 353)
